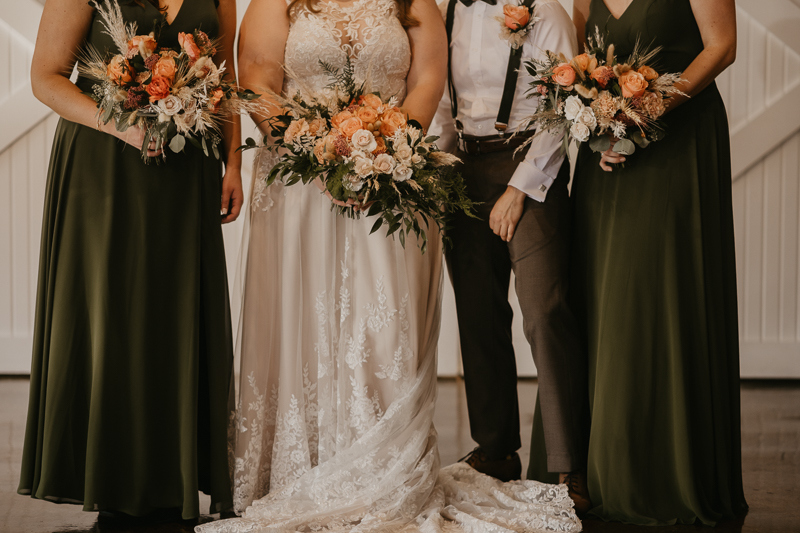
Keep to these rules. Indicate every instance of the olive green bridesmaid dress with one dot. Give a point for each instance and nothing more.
(132, 358)
(654, 285)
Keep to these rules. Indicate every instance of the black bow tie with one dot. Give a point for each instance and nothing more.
(470, 2)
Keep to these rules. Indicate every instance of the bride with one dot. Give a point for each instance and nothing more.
(334, 426)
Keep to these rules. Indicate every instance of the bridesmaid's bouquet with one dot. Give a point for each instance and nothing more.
(367, 154)
(593, 96)
(174, 96)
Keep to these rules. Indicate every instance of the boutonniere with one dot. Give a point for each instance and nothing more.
(516, 22)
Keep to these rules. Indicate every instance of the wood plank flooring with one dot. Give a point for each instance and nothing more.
(771, 462)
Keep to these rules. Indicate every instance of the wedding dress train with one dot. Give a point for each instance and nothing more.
(334, 427)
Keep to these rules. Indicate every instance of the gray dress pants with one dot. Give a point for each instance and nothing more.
(480, 265)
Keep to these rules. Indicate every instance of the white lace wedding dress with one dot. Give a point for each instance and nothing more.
(334, 429)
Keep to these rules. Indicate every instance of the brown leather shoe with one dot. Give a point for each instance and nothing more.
(505, 469)
(578, 491)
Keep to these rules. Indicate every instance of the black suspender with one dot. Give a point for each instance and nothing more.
(512, 74)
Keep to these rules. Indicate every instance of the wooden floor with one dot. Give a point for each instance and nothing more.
(771, 457)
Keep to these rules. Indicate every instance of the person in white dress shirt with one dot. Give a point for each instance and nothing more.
(524, 226)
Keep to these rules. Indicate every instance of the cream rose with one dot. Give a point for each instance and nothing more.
(572, 107)
(587, 118)
(403, 152)
(417, 159)
(170, 105)
(364, 140)
(363, 167)
(383, 164)
(295, 130)
(402, 172)
(580, 132)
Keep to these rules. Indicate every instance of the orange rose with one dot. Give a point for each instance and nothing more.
(215, 99)
(145, 45)
(165, 67)
(564, 75)
(340, 117)
(381, 149)
(186, 40)
(367, 114)
(118, 70)
(516, 16)
(350, 126)
(585, 62)
(158, 88)
(391, 120)
(372, 100)
(632, 83)
(602, 75)
(648, 73)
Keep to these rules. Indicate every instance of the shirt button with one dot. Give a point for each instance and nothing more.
(480, 127)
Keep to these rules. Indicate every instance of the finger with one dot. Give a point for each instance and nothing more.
(605, 166)
(236, 207)
(225, 201)
(510, 233)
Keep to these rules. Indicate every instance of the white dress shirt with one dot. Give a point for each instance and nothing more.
(479, 62)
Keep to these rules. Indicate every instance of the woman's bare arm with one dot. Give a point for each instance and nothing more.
(580, 14)
(232, 194)
(261, 50)
(62, 31)
(428, 72)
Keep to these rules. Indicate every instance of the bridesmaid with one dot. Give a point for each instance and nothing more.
(655, 283)
(132, 359)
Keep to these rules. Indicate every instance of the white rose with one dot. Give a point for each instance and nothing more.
(185, 122)
(170, 105)
(383, 164)
(403, 152)
(587, 118)
(402, 172)
(580, 132)
(364, 140)
(353, 183)
(417, 159)
(363, 167)
(572, 107)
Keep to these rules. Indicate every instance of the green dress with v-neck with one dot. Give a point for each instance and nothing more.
(132, 357)
(654, 287)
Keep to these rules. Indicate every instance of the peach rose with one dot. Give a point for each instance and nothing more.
(649, 73)
(516, 16)
(186, 40)
(367, 114)
(585, 62)
(165, 67)
(632, 83)
(350, 126)
(118, 70)
(145, 45)
(158, 88)
(391, 120)
(602, 75)
(340, 117)
(372, 100)
(215, 100)
(318, 126)
(564, 75)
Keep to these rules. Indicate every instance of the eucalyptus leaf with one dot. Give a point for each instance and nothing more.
(639, 139)
(215, 149)
(624, 147)
(177, 143)
(600, 143)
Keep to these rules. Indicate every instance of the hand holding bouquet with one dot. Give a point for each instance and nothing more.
(174, 96)
(593, 97)
(368, 157)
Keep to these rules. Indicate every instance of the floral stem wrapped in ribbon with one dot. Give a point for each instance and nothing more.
(593, 97)
(368, 155)
(174, 96)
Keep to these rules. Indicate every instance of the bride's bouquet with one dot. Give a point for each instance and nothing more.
(593, 96)
(368, 156)
(174, 96)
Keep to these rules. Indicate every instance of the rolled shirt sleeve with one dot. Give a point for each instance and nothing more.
(536, 173)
